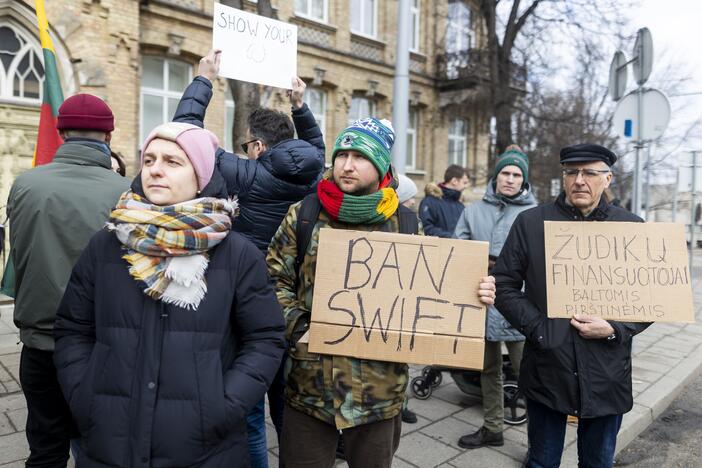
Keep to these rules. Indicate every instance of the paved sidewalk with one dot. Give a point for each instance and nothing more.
(666, 357)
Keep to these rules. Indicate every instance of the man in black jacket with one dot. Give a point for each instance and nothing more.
(581, 366)
(279, 171)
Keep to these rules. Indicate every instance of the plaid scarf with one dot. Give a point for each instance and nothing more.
(167, 245)
(375, 208)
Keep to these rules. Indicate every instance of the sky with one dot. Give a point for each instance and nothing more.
(675, 29)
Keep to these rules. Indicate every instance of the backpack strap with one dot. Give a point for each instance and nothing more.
(306, 219)
(409, 223)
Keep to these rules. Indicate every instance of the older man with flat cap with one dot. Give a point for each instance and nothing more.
(579, 366)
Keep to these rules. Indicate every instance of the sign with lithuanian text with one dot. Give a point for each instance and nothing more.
(399, 297)
(630, 272)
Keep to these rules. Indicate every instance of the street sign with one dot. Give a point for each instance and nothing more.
(617, 76)
(655, 114)
(643, 56)
(685, 168)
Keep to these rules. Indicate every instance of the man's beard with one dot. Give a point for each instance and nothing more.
(360, 191)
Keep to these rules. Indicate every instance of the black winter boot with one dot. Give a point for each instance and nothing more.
(481, 438)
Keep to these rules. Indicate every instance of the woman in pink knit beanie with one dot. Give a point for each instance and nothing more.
(169, 330)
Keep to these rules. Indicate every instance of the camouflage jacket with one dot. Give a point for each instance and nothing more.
(338, 390)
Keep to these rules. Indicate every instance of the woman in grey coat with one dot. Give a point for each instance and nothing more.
(490, 219)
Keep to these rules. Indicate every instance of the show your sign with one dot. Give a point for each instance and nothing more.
(398, 297)
(631, 272)
(255, 48)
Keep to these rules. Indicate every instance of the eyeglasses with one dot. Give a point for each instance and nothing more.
(587, 173)
(245, 146)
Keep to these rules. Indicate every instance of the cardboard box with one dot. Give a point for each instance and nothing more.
(398, 297)
(630, 272)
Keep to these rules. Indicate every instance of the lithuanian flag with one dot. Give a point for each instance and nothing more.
(48, 139)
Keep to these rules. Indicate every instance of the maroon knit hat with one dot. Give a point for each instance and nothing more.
(85, 112)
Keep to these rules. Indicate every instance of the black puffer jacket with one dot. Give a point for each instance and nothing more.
(267, 186)
(440, 210)
(155, 385)
(560, 369)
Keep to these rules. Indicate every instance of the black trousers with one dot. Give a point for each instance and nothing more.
(50, 427)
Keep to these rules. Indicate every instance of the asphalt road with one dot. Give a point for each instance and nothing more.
(673, 440)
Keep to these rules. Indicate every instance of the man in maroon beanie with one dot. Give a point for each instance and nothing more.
(54, 210)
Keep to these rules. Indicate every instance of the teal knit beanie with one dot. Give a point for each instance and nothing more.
(372, 138)
(513, 156)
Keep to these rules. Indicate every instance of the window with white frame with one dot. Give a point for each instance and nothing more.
(361, 108)
(411, 161)
(459, 37)
(21, 70)
(162, 84)
(414, 14)
(457, 142)
(313, 9)
(364, 17)
(316, 100)
(229, 107)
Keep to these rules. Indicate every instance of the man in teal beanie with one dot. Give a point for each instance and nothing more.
(513, 156)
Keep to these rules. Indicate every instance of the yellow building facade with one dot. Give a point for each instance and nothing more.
(140, 55)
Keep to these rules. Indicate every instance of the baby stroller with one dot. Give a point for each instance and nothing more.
(468, 381)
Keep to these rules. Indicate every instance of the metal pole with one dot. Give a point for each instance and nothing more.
(636, 199)
(693, 200)
(647, 192)
(675, 193)
(400, 104)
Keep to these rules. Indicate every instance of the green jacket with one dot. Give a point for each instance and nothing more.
(54, 210)
(338, 390)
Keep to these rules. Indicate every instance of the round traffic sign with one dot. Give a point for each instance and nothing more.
(655, 115)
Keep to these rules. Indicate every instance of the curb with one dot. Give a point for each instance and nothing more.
(653, 401)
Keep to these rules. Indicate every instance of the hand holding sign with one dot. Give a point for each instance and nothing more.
(486, 290)
(591, 328)
(297, 93)
(209, 64)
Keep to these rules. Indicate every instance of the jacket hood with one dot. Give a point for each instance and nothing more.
(433, 190)
(525, 197)
(294, 161)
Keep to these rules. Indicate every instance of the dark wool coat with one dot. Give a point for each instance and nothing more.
(560, 369)
(267, 186)
(155, 385)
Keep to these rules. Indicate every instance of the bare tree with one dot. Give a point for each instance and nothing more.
(532, 33)
(549, 118)
(246, 96)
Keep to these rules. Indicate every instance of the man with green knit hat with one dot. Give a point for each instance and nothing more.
(513, 156)
(490, 219)
(326, 394)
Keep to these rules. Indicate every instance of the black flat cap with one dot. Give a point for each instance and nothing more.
(587, 152)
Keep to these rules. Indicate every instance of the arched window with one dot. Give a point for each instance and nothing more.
(21, 70)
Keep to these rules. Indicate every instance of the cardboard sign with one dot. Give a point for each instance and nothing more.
(631, 272)
(255, 48)
(398, 297)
